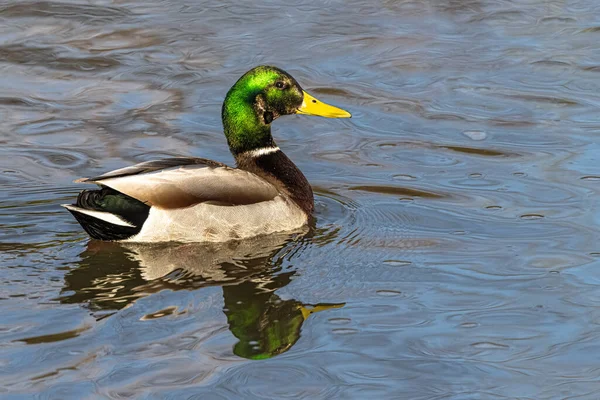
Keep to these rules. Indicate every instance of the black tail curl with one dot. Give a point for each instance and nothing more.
(110, 201)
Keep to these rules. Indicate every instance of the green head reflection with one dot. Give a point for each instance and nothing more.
(264, 324)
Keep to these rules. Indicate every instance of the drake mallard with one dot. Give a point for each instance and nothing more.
(189, 199)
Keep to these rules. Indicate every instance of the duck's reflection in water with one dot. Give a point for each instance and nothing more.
(111, 276)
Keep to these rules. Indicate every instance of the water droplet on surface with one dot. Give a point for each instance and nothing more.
(397, 263)
(493, 208)
(344, 331)
(531, 216)
(388, 293)
(475, 175)
(475, 135)
(469, 325)
(591, 178)
(404, 177)
(339, 321)
(489, 345)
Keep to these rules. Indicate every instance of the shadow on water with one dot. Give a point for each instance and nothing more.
(111, 276)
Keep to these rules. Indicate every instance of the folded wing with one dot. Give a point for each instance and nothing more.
(182, 182)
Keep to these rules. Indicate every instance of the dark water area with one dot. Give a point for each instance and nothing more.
(455, 253)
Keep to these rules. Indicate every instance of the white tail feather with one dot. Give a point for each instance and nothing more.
(101, 215)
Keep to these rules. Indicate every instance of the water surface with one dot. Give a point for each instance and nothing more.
(456, 241)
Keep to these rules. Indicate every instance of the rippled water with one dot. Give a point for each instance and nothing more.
(456, 245)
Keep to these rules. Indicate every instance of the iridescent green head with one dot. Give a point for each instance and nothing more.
(259, 97)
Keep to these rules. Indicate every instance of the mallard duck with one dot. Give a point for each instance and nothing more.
(189, 199)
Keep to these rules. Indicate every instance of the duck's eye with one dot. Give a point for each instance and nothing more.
(280, 85)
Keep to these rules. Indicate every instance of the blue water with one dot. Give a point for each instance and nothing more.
(455, 251)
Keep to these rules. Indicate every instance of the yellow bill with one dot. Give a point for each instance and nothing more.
(310, 309)
(312, 106)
